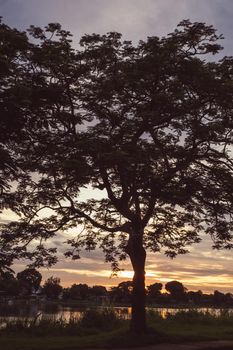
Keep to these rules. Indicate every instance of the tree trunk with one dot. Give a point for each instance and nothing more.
(137, 256)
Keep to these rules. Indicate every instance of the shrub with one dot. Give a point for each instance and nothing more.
(104, 318)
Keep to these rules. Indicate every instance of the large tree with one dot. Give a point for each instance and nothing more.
(147, 129)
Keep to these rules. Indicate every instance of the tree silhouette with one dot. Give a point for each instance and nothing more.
(14, 46)
(52, 287)
(154, 290)
(9, 285)
(122, 293)
(30, 279)
(148, 128)
(195, 297)
(79, 291)
(98, 291)
(21, 103)
(176, 289)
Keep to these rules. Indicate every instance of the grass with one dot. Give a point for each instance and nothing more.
(104, 329)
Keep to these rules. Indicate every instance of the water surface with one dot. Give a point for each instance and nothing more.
(56, 311)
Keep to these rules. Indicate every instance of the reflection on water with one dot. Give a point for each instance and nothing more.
(57, 311)
(165, 312)
(53, 311)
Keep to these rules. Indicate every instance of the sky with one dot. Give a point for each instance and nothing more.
(202, 268)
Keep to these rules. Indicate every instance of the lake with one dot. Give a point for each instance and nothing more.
(57, 311)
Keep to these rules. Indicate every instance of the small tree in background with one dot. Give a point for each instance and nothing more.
(122, 293)
(148, 128)
(195, 297)
(52, 287)
(98, 291)
(154, 290)
(176, 289)
(29, 279)
(79, 291)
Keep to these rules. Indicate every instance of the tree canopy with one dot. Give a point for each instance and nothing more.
(52, 287)
(176, 289)
(15, 105)
(30, 279)
(146, 128)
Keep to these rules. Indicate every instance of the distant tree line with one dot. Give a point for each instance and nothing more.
(178, 294)
(27, 283)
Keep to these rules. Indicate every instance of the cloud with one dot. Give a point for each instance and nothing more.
(135, 18)
(201, 269)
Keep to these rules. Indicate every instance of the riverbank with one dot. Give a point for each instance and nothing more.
(104, 330)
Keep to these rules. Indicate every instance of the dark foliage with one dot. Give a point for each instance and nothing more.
(52, 288)
(148, 126)
(29, 279)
